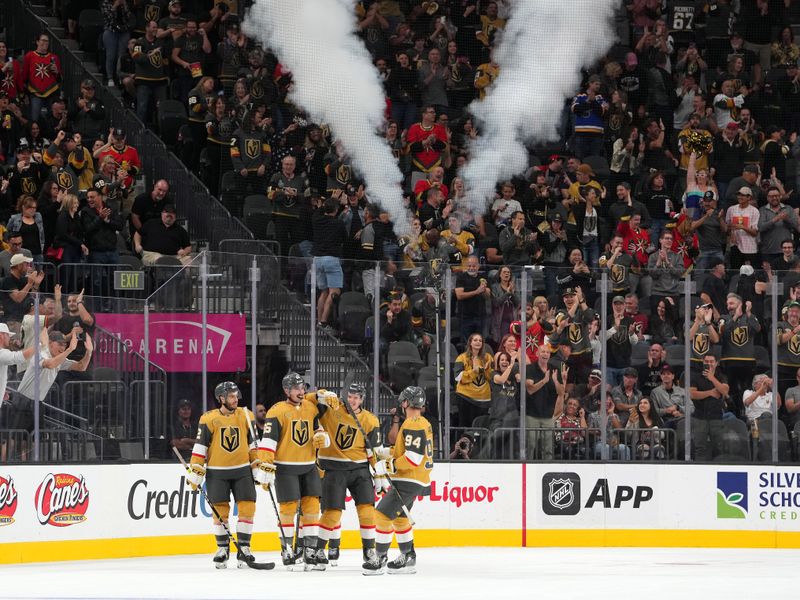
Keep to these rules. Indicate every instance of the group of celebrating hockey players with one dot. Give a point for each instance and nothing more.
(313, 450)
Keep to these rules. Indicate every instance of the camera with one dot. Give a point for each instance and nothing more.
(222, 7)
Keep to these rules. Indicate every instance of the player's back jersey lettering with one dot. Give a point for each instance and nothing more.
(413, 452)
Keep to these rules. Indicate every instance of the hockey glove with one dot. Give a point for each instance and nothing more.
(265, 475)
(379, 479)
(321, 439)
(382, 453)
(195, 476)
(328, 399)
(388, 465)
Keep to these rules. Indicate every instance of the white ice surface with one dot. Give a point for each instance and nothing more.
(442, 573)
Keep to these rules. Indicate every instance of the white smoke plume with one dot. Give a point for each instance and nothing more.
(335, 82)
(543, 48)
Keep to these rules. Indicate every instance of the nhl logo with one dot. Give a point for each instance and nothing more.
(561, 493)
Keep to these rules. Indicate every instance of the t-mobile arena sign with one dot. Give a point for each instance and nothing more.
(176, 339)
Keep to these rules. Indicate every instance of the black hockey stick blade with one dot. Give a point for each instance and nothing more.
(260, 566)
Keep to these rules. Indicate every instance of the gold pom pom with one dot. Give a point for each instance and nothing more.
(698, 142)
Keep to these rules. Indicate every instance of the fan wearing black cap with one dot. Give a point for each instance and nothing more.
(751, 178)
(711, 230)
(27, 175)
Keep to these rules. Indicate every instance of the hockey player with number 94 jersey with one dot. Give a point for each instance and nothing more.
(409, 466)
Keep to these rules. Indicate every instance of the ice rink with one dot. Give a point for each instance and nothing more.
(443, 573)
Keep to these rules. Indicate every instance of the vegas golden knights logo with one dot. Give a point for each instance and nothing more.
(257, 89)
(155, 58)
(617, 273)
(794, 345)
(28, 185)
(300, 432)
(575, 333)
(701, 344)
(343, 174)
(345, 436)
(151, 12)
(230, 438)
(64, 180)
(251, 147)
(739, 336)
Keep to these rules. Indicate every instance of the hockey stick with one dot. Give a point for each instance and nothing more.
(368, 446)
(259, 566)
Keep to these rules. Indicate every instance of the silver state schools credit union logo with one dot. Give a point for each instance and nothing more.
(561, 493)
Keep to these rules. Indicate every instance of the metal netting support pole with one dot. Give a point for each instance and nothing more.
(255, 277)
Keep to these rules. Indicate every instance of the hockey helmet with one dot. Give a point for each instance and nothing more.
(224, 388)
(415, 396)
(292, 380)
(357, 389)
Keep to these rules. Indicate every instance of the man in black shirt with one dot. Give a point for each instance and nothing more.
(188, 52)
(650, 373)
(432, 214)
(149, 205)
(543, 385)
(184, 429)
(708, 392)
(329, 237)
(77, 321)
(15, 286)
(715, 289)
(163, 238)
(471, 293)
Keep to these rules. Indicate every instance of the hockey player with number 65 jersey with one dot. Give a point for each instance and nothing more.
(288, 448)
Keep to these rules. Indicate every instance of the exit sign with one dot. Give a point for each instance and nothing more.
(128, 280)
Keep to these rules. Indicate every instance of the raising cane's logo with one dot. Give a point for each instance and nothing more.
(62, 500)
(8, 500)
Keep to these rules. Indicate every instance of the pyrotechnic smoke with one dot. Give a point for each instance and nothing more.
(335, 82)
(541, 53)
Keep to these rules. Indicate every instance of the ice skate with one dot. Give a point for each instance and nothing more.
(221, 558)
(321, 560)
(333, 556)
(404, 564)
(309, 559)
(373, 563)
(244, 557)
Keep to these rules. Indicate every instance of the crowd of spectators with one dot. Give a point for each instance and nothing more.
(677, 155)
